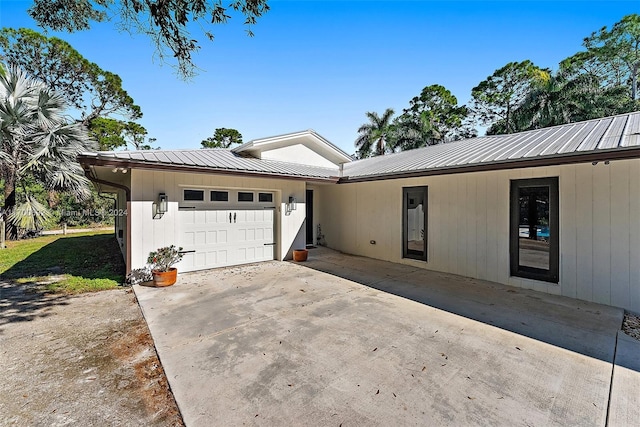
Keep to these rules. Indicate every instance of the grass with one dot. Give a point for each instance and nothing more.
(76, 263)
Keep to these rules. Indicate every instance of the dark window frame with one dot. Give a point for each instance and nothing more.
(405, 250)
(184, 195)
(261, 193)
(212, 199)
(553, 274)
(245, 192)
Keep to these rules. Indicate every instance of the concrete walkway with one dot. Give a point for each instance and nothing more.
(344, 340)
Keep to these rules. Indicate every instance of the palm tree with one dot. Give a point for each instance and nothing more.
(375, 137)
(38, 141)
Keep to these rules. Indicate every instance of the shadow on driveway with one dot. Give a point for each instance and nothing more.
(582, 327)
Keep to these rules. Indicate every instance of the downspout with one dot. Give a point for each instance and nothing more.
(127, 192)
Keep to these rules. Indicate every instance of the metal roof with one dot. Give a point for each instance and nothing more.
(609, 135)
(210, 159)
(606, 138)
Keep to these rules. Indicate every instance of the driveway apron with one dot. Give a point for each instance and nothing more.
(345, 340)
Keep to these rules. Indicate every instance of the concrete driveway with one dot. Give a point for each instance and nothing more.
(344, 340)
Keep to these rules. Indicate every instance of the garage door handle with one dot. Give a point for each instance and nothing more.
(234, 217)
(229, 217)
(269, 244)
(186, 252)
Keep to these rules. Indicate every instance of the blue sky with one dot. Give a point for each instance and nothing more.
(322, 64)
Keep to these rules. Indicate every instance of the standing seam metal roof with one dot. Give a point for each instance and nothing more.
(599, 135)
(220, 159)
(617, 134)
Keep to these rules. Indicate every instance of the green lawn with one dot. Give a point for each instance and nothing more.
(75, 263)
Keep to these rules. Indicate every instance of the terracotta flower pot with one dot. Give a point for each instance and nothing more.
(165, 278)
(300, 255)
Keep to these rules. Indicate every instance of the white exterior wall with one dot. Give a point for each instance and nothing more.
(468, 228)
(299, 154)
(148, 234)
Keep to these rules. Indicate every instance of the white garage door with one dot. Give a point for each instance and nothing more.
(213, 237)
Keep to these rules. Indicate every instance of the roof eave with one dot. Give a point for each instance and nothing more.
(94, 160)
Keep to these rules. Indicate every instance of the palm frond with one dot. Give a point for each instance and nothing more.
(30, 215)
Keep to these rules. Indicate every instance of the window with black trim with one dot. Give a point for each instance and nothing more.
(219, 196)
(534, 229)
(414, 223)
(245, 197)
(193, 195)
(265, 197)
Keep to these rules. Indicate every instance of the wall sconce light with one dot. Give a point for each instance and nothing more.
(161, 206)
(291, 205)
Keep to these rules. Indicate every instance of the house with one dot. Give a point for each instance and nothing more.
(556, 209)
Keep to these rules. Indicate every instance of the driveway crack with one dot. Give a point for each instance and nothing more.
(613, 368)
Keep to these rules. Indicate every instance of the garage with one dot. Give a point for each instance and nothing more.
(223, 227)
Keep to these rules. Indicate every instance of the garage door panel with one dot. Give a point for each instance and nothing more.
(187, 217)
(217, 242)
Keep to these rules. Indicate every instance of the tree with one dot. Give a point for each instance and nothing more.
(618, 50)
(432, 118)
(222, 138)
(376, 137)
(37, 141)
(499, 95)
(112, 134)
(168, 22)
(54, 62)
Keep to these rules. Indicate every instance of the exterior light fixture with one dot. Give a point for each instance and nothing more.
(162, 203)
(160, 206)
(290, 205)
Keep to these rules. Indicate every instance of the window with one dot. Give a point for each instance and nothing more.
(265, 197)
(245, 197)
(193, 195)
(414, 223)
(219, 196)
(534, 229)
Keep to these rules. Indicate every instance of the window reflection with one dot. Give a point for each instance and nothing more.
(415, 232)
(533, 227)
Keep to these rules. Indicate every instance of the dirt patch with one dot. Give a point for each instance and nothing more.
(84, 360)
(631, 325)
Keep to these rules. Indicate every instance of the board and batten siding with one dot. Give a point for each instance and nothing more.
(468, 226)
(148, 234)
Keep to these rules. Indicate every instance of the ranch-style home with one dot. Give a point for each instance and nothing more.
(556, 210)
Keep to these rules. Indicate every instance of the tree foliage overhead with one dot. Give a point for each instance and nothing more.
(54, 62)
(168, 23)
(222, 138)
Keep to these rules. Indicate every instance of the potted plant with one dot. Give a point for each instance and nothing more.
(161, 262)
